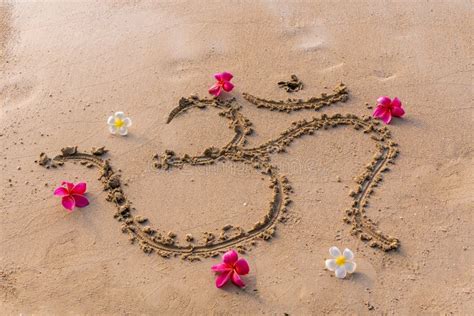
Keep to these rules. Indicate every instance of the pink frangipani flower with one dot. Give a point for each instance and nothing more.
(231, 268)
(223, 82)
(386, 108)
(72, 195)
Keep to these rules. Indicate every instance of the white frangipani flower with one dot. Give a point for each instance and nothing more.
(342, 264)
(118, 123)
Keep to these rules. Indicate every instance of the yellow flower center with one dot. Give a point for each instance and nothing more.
(340, 260)
(118, 122)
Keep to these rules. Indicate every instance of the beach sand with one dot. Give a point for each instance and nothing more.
(66, 66)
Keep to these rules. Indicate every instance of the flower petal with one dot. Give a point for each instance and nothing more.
(350, 266)
(81, 200)
(120, 115)
(348, 254)
(79, 188)
(237, 280)
(230, 257)
(218, 76)
(69, 185)
(68, 202)
(221, 267)
(341, 272)
(111, 120)
(386, 116)
(398, 111)
(127, 122)
(223, 278)
(334, 251)
(228, 86)
(396, 102)
(379, 110)
(215, 89)
(330, 264)
(384, 100)
(227, 76)
(112, 129)
(123, 130)
(223, 76)
(61, 191)
(242, 266)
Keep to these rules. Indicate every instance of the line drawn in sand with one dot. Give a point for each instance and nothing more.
(151, 239)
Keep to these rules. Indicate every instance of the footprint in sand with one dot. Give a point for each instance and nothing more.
(383, 76)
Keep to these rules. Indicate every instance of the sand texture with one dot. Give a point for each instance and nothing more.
(285, 166)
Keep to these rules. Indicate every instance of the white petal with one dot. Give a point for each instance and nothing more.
(123, 130)
(348, 254)
(112, 129)
(334, 251)
(127, 122)
(341, 272)
(111, 120)
(350, 266)
(330, 264)
(120, 115)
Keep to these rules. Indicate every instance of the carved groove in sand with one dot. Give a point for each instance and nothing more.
(166, 244)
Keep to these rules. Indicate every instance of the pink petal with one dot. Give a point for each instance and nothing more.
(61, 191)
(228, 86)
(218, 76)
(223, 76)
(215, 89)
(398, 111)
(223, 278)
(386, 117)
(69, 185)
(384, 100)
(81, 200)
(68, 202)
(79, 188)
(221, 267)
(242, 267)
(379, 110)
(237, 280)
(230, 257)
(396, 102)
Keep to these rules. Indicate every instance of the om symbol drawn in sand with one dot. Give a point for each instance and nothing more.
(167, 244)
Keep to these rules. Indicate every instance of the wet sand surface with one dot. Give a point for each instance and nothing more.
(65, 67)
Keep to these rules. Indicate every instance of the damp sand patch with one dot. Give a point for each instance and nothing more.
(167, 244)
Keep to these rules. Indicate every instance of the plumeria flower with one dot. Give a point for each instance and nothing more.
(72, 195)
(118, 123)
(386, 108)
(342, 264)
(223, 82)
(231, 268)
